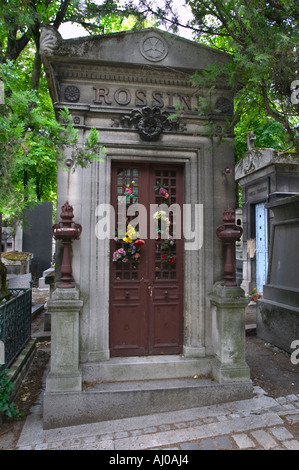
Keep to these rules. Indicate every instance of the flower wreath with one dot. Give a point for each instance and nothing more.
(131, 251)
(133, 243)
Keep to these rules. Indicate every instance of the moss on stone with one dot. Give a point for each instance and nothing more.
(4, 292)
(16, 255)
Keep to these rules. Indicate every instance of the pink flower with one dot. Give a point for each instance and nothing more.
(162, 192)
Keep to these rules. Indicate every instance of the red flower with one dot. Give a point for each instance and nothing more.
(164, 256)
(139, 242)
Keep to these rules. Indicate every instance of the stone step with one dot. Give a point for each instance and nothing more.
(146, 368)
(116, 400)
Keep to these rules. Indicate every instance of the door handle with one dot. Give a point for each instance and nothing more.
(150, 289)
(127, 294)
(166, 294)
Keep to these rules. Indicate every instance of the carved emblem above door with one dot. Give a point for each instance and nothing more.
(153, 48)
(149, 123)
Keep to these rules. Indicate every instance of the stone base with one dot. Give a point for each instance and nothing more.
(277, 323)
(56, 383)
(107, 401)
(135, 386)
(65, 375)
(230, 373)
(228, 320)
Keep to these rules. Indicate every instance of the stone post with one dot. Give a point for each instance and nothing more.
(228, 311)
(228, 320)
(65, 374)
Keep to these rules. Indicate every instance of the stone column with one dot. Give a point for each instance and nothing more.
(65, 374)
(228, 320)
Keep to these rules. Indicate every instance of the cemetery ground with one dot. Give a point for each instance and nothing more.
(270, 368)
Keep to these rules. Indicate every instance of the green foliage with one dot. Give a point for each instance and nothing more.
(262, 40)
(6, 387)
(80, 155)
(32, 143)
(31, 139)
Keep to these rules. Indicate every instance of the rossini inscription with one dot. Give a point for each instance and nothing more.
(140, 98)
(130, 97)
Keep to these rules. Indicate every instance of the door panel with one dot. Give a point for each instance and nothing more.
(146, 293)
(261, 246)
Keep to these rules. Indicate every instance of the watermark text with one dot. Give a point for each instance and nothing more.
(162, 218)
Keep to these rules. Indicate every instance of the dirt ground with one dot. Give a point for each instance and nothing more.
(270, 368)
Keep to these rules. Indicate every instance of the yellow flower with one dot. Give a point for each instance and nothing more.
(131, 232)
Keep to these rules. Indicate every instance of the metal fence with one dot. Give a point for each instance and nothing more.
(15, 324)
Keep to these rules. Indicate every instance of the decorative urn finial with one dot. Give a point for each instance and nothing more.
(67, 231)
(229, 233)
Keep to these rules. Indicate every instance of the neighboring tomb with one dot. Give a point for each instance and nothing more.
(278, 311)
(265, 175)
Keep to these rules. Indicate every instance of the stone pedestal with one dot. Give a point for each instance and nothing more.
(65, 374)
(228, 319)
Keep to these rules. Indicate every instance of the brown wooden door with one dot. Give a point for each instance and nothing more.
(146, 292)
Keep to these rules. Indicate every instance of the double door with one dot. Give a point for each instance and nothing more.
(146, 275)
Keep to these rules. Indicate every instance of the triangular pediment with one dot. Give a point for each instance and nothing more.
(145, 47)
(119, 69)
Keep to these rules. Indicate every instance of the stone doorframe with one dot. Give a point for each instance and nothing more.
(85, 189)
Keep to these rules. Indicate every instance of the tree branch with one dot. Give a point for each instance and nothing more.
(61, 13)
(15, 46)
(277, 116)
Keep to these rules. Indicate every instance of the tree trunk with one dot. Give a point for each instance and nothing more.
(36, 72)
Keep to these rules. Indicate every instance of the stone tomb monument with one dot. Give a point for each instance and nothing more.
(266, 175)
(139, 327)
(278, 310)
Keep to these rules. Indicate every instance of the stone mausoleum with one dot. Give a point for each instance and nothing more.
(153, 329)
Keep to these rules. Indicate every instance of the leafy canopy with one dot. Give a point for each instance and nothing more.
(31, 140)
(262, 39)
